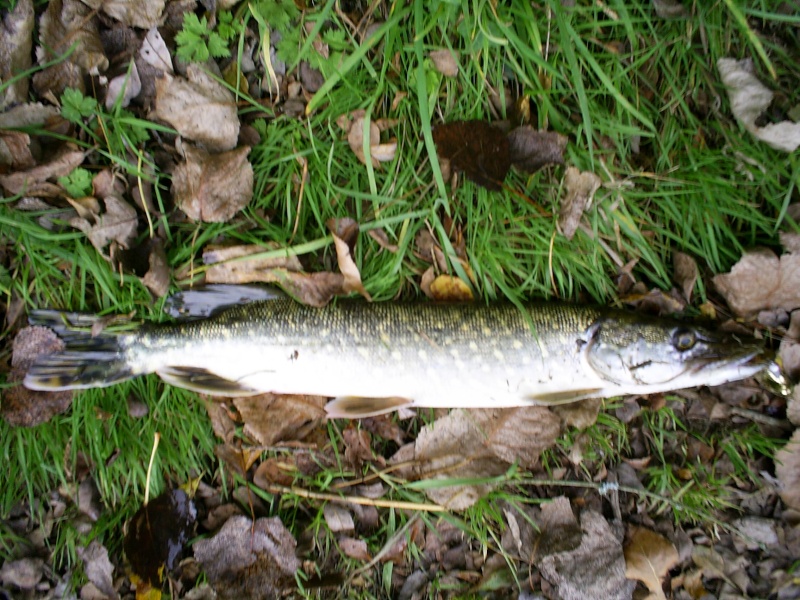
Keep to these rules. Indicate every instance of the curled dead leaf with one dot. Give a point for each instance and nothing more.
(685, 273)
(213, 187)
(580, 188)
(345, 232)
(448, 288)
(750, 99)
(118, 224)
(354, 124)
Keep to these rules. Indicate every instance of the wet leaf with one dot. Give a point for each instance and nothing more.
(480, 444)
(157, 534)
(213, 187)
(685, 273)
(345, 233)
(477, 148)
(448, 288)
(98, 568)
(22, 407)
(143, 14)
(531, 150)
(787, 469)
(445, 61)
(750, 99)
(67, 24)
(579, 190)
(199, 108)
(648, 558)
(271, 418)
(15, 52)
(594, 569)
(118, 224)
(249, 560)
(761, 281)
(34, 182)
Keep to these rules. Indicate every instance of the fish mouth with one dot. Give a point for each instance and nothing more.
(746, 363)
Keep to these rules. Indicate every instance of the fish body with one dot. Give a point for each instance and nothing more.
(376, 357)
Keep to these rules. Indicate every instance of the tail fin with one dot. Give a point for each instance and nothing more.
(88, 360)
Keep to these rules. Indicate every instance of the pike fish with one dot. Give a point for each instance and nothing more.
(372, 358)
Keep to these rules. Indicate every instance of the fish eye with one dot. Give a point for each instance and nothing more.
(684, 339)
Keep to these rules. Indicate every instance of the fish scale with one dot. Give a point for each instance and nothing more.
(376, 357)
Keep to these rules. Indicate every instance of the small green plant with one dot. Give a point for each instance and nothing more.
(78, 183)
(196, 42)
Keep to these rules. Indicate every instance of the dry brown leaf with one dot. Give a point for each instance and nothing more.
(685, 273)
(382, 239)
(275, 471)
(531, 149)
(789, 351)
(581, 414)
(354, 548)
(118, 223)
(157, 277)
(787, 469)
(480, 444)
(226, 269)
(445, 61)
(15, 150)
(24, 573)
(98, 568)
(155, 53)
(271, 418)
(143, 14)
(199, 108)
(338, 518)
(249, 560)
(22, 407)
(750, 99)
(345, 232)
(15, 52)
(580, 188)
(448, 288)
(213, 187)
(670, 9)
(761, 281)
(67, 24)
(595, 569)
(648, 558)
(353, 124)
(123, 88)
(33, 181)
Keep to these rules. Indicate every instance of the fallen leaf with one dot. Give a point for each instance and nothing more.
(382, 239)
(155, 53)
(22, 407)
(98, 568)
(648, 558)
(199, 108)
(685, 273)
(118, 223)
(530, 150)
(345, 232)
(143, 15)
(750, 99)
(477, 148)
(480, 444)
(789, 350)
(580, 187)
(25, 115)
(338, 518)
(51, 82)
(69, 24)
(213, 187)
(15, 150)
(787, 470)
(580, 415)
(353, 124)
(445, 61)
(270, 418)
(228, 267)
(249, 560)
(275, 471)
(33, 182)
(670, 9)
(24, 573)
(761, 281)
(16, 44)
(448, 288)
(595, 569)
(354, 548)
(123, 88)
(157, 277)
(157, 534)
(755, 533)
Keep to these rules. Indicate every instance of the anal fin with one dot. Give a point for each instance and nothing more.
(565, 397)
(356, 407)
(204, 381)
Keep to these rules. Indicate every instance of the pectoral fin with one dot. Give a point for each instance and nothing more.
(204, 382)
(353, 407)
(554, 398)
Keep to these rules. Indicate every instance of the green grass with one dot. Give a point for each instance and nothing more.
(636, 96)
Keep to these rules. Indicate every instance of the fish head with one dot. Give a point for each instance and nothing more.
(658, 355)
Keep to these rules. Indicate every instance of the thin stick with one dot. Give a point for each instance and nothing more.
(398, 504)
